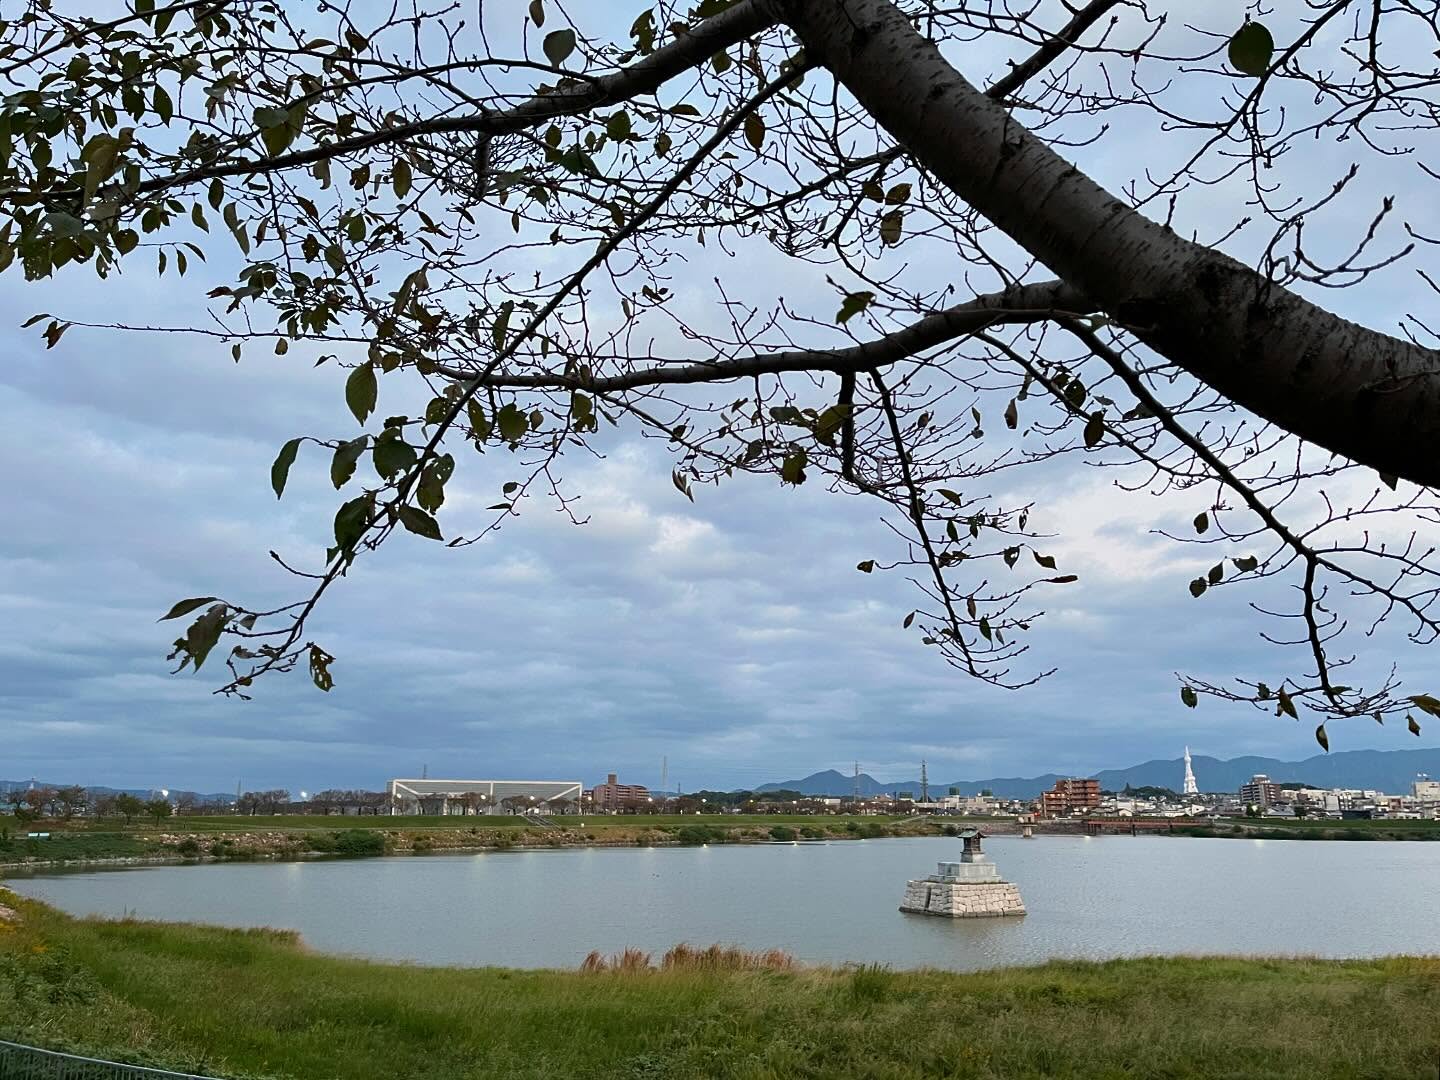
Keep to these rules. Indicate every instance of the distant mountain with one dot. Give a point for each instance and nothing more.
(1391, 771)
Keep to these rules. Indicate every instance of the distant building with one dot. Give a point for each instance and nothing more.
(426, 796)
(1260, 791)
(1425, 790)
(613, 795)
(1070, 795)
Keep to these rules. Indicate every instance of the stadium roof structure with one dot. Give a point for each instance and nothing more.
(413, 791)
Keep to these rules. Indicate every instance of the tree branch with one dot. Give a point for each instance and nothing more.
(1021, 304)
(1364, 394)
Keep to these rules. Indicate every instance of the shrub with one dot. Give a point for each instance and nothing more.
(810, 832)
(701, 834)
(189, 847)
(782, 832)
(360, 842)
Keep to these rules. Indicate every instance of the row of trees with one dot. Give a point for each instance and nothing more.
(64, 803)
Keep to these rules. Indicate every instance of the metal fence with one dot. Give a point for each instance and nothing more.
(19, 1062)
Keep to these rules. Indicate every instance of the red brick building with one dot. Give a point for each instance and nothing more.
(1070, 795)
(611, 796)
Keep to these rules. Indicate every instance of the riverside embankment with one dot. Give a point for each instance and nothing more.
(206, 839)
(231, 840)
(252, 1004)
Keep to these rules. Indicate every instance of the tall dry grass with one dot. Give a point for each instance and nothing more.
(685, 957)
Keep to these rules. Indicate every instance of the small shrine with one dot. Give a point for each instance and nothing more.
(969, 889)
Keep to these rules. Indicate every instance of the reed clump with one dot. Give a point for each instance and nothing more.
(685, 957)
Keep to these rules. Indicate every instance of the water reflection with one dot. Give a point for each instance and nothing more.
(824, 902)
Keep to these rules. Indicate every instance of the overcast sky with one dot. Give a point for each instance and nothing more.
(732, 636)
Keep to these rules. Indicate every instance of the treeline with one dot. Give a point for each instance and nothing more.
(64, 803)
(44, 802)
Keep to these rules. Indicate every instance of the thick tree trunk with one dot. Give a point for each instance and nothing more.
(1364, 394)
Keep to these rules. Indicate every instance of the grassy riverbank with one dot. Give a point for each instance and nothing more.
(1321, 829)
(298, 837)
(236, 1003)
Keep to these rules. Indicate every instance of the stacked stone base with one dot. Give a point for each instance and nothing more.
(962, 899)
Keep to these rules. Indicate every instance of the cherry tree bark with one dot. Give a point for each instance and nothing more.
(1358, 392)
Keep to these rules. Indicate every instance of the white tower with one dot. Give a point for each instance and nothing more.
(1191, 788)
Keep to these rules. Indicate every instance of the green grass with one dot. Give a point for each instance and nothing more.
(76, 846)
(297, 836)
(1311, 829)
(253, 1003)
(293, 822)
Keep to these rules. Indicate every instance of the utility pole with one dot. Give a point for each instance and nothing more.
(924, 783)
(664, 772)
(855, 791)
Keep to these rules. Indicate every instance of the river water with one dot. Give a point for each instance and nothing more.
(1091, 897)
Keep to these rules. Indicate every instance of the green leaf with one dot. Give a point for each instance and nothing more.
(1216, 574)
(891, 226)
(479, 424)
(420, 523)
(512, 423)
(755, 131)
(1012, 415)
(1187, 695)
(1426, 703)
(342, 465)
(360, 391)
(1410, 722)
(392, 454)
(618, 126)
(1202, 522)
(855, 303)
(184, 607)
(829, 422)
(280, 470)
(430, 492)
(1245, 563)
(320, 662)
(1198, 587)
(898, 195)
(1322, 738)
(204, 632)
(537, 12)
(501, 325)
(350, 522)
(865, 567)
(558, 45)
(1094, 429)
(401, 178)
(1251, 48)
(792, 469)
(1390, 480)
(1047, 561)
(280, 127)
(1285, 704)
